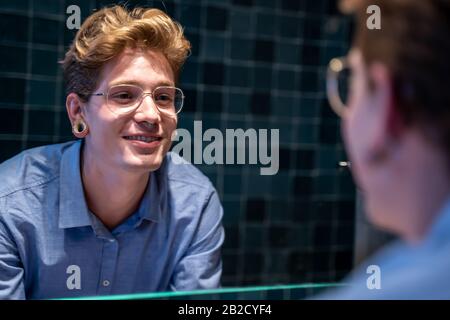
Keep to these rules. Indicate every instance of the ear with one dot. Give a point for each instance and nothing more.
(74, 107)
(390, 124)
(76, 112)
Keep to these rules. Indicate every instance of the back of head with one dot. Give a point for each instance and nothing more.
(414, 44)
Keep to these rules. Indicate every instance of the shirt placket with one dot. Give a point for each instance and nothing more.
(108, 265)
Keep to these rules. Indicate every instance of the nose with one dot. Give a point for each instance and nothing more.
(148, 110)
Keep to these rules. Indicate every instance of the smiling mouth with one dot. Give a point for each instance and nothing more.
(143, 138)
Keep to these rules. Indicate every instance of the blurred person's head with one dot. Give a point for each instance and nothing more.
(116, 57)
(396, 125)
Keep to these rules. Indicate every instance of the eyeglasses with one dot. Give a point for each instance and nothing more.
(338, 84)
(125, 98)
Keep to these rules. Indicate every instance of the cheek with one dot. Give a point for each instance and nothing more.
(105, 127)
(169, 126)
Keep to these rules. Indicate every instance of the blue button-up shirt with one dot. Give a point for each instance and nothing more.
(405, 271)
(52, 246)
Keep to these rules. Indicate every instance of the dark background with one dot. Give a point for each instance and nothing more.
(255, 64)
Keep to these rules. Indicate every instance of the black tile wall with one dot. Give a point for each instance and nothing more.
(44, 31)
(13, 91)
(216, 18)
(254, 64)
(14, 122)
(13, 59)
(256, 210)
(13, 27)
(263, 50)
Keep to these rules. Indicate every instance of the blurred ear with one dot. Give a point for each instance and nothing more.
(390, 124)
(74, 107)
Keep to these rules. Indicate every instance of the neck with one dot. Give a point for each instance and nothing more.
(425, 204)
(111, 194)
(422, 194)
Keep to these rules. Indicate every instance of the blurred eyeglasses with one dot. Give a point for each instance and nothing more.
(125, 98)
(338, 84)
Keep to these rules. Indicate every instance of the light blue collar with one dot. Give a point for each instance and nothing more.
(73, 210)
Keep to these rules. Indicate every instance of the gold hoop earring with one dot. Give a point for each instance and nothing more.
(80, 128)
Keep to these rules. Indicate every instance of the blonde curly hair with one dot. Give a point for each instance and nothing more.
(107, 32)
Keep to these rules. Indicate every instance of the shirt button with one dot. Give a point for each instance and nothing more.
(105, 283)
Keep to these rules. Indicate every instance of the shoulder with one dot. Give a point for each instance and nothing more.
(31, 167)
(403, 272)
(194, 203)
(190, 194)
(183, 173)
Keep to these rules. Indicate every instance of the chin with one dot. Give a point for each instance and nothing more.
(141, 160)
(144, 162)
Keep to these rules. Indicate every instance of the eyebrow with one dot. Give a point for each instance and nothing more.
(140, 84)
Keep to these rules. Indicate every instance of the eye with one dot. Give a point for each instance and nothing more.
(164, 98)
(122, 96)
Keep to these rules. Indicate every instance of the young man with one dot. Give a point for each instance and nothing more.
(112, 213)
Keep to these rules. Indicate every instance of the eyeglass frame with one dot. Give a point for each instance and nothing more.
(100, 94)
(335, 67)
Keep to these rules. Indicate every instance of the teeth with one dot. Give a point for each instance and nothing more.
(141, 138)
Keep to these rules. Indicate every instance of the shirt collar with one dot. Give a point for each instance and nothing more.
(150, 206)
(439, 229)
(73, 210)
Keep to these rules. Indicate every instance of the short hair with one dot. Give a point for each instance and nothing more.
(414, 44)
(107, 32)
